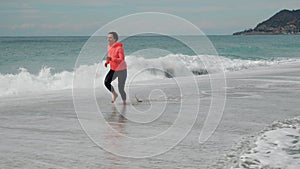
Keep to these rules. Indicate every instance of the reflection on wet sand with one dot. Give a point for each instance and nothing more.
(117, 117)
(117, 121)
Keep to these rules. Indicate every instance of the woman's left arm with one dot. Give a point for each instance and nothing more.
(120, 56)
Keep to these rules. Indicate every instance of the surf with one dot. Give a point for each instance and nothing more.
(169, 66)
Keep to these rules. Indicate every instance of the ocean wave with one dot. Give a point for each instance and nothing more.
(139, 68)
(13, 84)
(277, 146)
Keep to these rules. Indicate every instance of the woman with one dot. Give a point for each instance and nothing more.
(118, 67)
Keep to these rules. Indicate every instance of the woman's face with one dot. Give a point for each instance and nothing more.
(110, 39)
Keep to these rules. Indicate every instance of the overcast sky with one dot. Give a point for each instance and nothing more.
(84, 17)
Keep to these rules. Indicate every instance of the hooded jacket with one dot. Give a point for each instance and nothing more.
(116, 52)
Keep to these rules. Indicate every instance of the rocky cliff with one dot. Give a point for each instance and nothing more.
(283, 22)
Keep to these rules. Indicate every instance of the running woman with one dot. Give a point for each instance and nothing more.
(118, 67)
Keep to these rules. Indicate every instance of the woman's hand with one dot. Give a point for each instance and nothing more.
(108, 58)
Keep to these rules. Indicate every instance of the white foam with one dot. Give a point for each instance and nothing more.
(26, 82)
(275, 147)
(139, 68)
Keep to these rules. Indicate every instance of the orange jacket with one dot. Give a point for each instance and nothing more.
(116, 52)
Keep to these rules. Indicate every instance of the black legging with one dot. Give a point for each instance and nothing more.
(112, 75)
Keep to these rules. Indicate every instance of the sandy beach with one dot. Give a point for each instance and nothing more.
(42, 131)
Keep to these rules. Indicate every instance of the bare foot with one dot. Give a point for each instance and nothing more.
(115, 95)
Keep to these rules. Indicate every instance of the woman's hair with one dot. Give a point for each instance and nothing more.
(115, 35)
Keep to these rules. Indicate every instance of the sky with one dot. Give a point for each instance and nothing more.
(84, 17)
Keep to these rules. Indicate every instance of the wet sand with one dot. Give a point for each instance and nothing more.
(42, 131)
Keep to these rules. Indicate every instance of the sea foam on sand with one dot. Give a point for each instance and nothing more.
(277, 146)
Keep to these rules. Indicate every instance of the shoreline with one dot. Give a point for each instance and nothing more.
(255, 98)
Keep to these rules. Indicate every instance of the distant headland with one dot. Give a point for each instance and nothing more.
(283, 22)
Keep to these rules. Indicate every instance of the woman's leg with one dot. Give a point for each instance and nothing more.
(111, 75)
(122, 75)
(108, 80)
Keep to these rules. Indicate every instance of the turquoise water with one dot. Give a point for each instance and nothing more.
(60, 53)
(257, 47)
(33, 53)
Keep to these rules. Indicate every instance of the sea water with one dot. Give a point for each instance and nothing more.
(48, 63)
